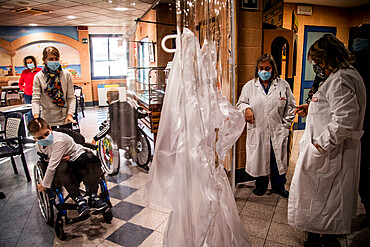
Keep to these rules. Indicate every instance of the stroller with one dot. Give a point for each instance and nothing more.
(124, 134)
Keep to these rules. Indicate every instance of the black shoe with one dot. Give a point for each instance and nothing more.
(259, 192)
(2, 195)
(283, 192)
(313, 240)
(329, 241)
(98, 203)
(82, 206)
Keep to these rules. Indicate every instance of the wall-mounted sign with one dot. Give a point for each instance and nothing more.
(249, 4)
(273, 12)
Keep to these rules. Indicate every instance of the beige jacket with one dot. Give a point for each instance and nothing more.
(52, 113)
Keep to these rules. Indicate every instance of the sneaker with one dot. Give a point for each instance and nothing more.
(82, 206)
(98, 203)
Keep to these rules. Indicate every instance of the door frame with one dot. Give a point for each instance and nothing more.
(308, 84)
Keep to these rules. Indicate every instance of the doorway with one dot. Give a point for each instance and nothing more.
(311, 34)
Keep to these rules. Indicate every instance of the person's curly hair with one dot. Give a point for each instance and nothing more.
(33, 60)
(331, 53)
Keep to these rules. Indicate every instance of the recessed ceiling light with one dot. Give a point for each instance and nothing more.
(7, 7)
(33, 24)
(71, 17)
(121, 9)
(132, 4)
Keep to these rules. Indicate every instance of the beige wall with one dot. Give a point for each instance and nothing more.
(249, 49)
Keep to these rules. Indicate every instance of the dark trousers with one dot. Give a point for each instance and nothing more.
(86, 168)
(277, 181)
(28, 100)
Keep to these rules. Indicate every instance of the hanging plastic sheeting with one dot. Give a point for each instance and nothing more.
(183, 176)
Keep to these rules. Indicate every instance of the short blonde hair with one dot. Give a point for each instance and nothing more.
(113, 94)
(50, 50)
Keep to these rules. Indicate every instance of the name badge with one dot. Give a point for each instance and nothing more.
(314, 99)
(281, 98)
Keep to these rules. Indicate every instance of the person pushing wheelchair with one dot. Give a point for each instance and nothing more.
(67, 162)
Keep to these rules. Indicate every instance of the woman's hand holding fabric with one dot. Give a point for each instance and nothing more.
(249, 116)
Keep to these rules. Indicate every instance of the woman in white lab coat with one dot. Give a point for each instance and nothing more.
(268, 104)
(323, 192)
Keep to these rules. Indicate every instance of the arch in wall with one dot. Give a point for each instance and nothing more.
(39, 37)
(276, 51)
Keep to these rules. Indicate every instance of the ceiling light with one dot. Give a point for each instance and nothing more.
(71, 17)
(132, 4)
(33, 24)
(121, 9)
(110, 1)
(7, 7)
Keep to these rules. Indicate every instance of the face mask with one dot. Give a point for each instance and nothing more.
(30, 65)
(53, 65)
(264, 75)
(360, 45)
(47, 141)
(320, 72)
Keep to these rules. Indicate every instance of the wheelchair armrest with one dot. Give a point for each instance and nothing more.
(91, 146)
(19, 138)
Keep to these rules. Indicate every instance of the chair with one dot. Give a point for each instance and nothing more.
(80, 99)
(12, 144)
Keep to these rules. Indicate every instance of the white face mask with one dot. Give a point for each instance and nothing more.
(30, 65)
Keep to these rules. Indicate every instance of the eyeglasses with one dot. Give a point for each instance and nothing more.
(43, 136)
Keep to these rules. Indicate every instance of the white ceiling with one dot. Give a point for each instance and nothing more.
(102, 13)
(86, 12)
(333, 3)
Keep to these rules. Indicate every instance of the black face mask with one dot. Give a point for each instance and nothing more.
(320, 72)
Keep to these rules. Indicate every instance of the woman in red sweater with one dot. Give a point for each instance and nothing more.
(26, 81)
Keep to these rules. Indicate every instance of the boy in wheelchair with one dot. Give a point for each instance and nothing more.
(68, 161)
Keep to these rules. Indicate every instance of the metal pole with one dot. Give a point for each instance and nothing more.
(233, 93)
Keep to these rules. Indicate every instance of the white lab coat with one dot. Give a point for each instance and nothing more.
(274, 114)
(323, 193)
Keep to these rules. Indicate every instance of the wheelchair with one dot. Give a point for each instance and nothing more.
(124, 134)
(53, 198)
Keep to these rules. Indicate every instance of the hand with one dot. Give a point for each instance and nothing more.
(41, 188)
(93, 141)
(36, 115)
(249, 116)
(66, 158)
(301, 110)
(69, 118)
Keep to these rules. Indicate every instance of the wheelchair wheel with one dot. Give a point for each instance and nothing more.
(43, 198)
(59, 231)
(143, 151)
(108, 153)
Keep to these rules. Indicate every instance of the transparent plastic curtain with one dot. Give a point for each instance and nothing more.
(198, 124)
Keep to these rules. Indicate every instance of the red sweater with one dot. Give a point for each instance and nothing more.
(26, 80)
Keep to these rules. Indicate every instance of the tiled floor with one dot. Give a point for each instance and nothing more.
(136, 223)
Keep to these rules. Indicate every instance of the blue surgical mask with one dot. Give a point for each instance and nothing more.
(30, 65)
(53, 65)
(360, 45)
(47, 141)
(264, 75)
